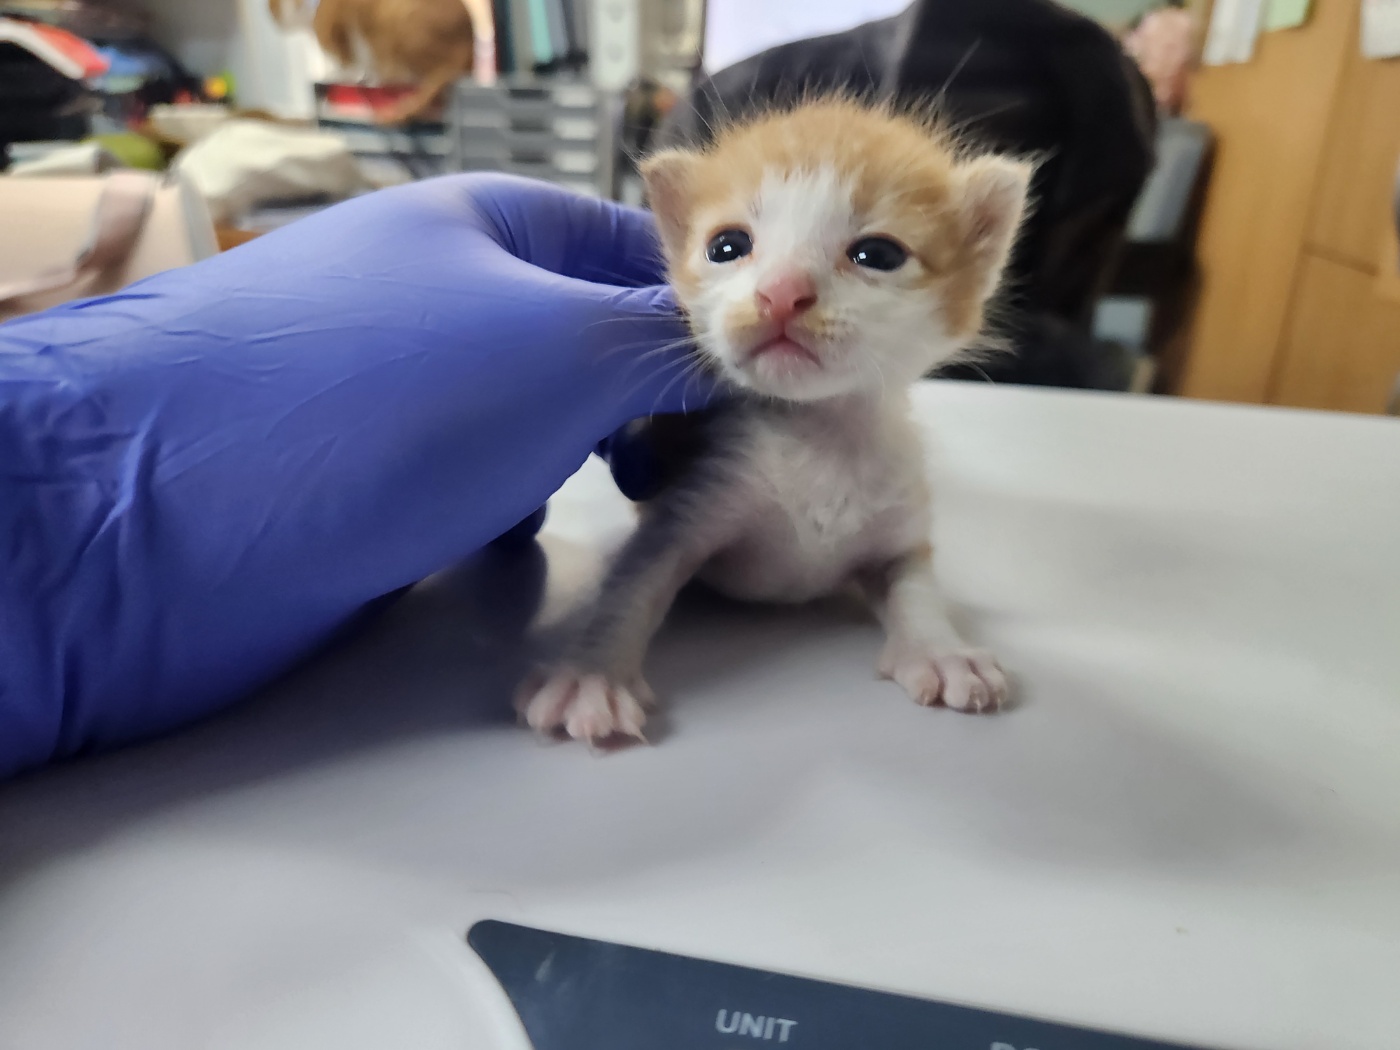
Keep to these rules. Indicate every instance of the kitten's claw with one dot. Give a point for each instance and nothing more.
(965, 680)
(588, 707)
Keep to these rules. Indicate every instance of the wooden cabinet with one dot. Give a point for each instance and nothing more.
(1295, 246)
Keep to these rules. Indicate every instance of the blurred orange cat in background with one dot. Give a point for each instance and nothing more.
(429, 43)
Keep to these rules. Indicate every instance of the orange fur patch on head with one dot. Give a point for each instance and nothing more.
(907, 178)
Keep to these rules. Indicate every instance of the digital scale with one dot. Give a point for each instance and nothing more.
(1186, 833)
(577, 994)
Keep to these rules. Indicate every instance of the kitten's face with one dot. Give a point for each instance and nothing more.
(833, 248)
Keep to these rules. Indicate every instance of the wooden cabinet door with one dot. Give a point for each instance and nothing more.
(1342, 347)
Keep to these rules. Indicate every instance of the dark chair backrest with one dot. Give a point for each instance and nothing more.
(1163, 209)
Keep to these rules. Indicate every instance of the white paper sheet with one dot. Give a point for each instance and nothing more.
(1380, 28)
(1234, 28)
(736, 29)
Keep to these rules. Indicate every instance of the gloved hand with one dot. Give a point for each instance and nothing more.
(203, 476)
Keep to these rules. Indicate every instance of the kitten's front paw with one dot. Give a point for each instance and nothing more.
(965, 679)
(587, 706)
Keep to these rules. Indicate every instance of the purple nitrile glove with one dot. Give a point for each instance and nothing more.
(204, 476)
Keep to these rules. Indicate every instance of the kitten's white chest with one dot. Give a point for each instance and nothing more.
(828, 491)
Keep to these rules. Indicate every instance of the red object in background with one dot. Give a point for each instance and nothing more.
(363, 102)
(70, 55)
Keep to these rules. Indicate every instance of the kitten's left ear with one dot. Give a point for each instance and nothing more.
(994, 199)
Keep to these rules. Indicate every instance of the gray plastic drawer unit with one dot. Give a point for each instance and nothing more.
(545, 130)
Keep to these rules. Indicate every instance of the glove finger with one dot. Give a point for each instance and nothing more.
(569, 234)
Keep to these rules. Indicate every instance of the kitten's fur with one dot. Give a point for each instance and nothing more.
(425, 42)
(814, 477)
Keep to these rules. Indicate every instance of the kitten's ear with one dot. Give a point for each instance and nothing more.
(994, 199)
(669, 177)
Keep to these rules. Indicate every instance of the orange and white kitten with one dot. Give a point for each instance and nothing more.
(828, 257)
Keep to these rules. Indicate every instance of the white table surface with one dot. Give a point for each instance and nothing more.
(1188, 828)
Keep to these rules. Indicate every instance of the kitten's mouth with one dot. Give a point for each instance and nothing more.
(784, 348)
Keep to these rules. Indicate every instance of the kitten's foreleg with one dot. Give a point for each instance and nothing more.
(923, 651)
(598, 691)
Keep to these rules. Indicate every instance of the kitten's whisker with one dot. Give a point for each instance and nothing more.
(960, 127)
(942, 92)
(656, 351)
(643, 361)
(628, 319)
(692, 367)
(726, 116)
(685, 391)
(630, 279)
(881, 383)
(979, 370)
(637, 388)
(640, 315)
(611, 352)
(613, 348)
(659, 369)
(704, 120)
(615, 321)
(686, 373)
(665, 348)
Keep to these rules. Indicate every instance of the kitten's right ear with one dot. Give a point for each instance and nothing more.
(994, 201)
(669, 180)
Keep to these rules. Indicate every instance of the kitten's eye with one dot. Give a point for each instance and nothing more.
(728, 245)
(877, 253)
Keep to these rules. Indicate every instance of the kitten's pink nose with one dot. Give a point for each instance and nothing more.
(784, 296)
